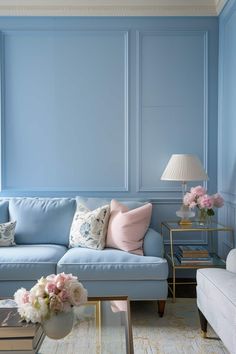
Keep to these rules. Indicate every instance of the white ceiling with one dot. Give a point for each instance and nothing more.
(111, 7)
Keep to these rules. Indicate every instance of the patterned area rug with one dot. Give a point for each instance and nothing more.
(178, 332)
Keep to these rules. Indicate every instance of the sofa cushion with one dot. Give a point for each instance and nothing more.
(42, 220)
(219, 285)
(127, 228)
(111, 264)
(29, 262)
(89, 227)
(4, 213)
(7, 233)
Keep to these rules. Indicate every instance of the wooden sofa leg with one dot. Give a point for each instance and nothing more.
(203, 323)
(161, 307)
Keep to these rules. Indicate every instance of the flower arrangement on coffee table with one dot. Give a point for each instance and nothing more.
(198, 197)
(51, 297)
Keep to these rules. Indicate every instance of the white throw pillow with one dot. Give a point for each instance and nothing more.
(89, 228)
(7, 233)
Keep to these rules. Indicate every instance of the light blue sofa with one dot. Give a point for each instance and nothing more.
(42, 237)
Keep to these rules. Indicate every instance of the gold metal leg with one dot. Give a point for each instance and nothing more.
(98, 327)
(173, 286)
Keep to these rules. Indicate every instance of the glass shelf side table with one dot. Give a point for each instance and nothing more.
(173, 227)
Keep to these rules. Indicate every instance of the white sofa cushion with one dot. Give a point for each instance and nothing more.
(218, 280)
(216, 299)
(231, 261)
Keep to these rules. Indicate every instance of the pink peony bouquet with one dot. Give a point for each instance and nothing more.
(49, 296)
(198, 197)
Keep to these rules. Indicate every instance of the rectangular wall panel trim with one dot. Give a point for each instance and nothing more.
(119, 184)
(224, 119)
(140, 186)
(1, 110)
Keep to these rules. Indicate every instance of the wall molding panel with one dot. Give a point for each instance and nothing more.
(14, 40)
(1, 109)
(227, 124)
(177, 108)
(88, 105)
(224, 186)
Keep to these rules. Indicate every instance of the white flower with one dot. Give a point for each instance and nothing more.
(29, 313)
(39, 288)
(77, 293)
(21, 296)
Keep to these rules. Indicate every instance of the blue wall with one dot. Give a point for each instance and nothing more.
(96, 106)
(227, 121)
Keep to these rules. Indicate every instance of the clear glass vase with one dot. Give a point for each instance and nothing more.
(203, 217)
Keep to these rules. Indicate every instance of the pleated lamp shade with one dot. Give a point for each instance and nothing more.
(184, 167)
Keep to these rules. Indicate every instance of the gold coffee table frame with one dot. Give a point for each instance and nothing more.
(128, 326)
(125, 318)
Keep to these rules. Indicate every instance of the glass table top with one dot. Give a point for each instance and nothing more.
(102, 326)
(195, 226)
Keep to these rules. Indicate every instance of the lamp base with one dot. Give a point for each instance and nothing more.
(185, 222)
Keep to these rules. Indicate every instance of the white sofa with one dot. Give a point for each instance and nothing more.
(216, 301)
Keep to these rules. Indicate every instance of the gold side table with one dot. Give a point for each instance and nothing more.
(173, 227)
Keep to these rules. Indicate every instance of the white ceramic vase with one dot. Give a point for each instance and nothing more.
(59, 325)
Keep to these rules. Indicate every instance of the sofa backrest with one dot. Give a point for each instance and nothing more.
(4, 212)
(42, 220)
(94, 203)
(48, 220)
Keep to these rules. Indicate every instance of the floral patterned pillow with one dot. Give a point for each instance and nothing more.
(7, 232)
(89, 227)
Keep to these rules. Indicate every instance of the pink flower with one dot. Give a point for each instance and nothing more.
(51, 288)
(198, 191)
(64, 295)
(51, 277)
(205, 202)
(192, 205)
(62, 278)
(218, 200)
(189, 200)
(50, 295)
(25, 297)
(21, 296)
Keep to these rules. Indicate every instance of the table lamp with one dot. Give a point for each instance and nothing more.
(184, 168)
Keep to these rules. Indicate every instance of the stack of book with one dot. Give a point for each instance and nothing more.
(193, 255)
(17, 336)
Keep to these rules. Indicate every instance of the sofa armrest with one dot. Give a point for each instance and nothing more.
(153, 244)
(231, 261)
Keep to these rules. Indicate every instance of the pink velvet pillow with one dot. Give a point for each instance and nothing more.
(126, 228)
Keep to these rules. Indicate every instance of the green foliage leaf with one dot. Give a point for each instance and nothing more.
(210, 212)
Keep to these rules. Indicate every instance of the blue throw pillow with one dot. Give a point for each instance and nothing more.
(42, 220)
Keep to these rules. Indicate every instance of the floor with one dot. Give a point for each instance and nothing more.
(178, 332)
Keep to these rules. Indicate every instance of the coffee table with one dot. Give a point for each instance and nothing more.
(102, 326)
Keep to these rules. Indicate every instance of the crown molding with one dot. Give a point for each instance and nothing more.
(220, 5)
(111, 8)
